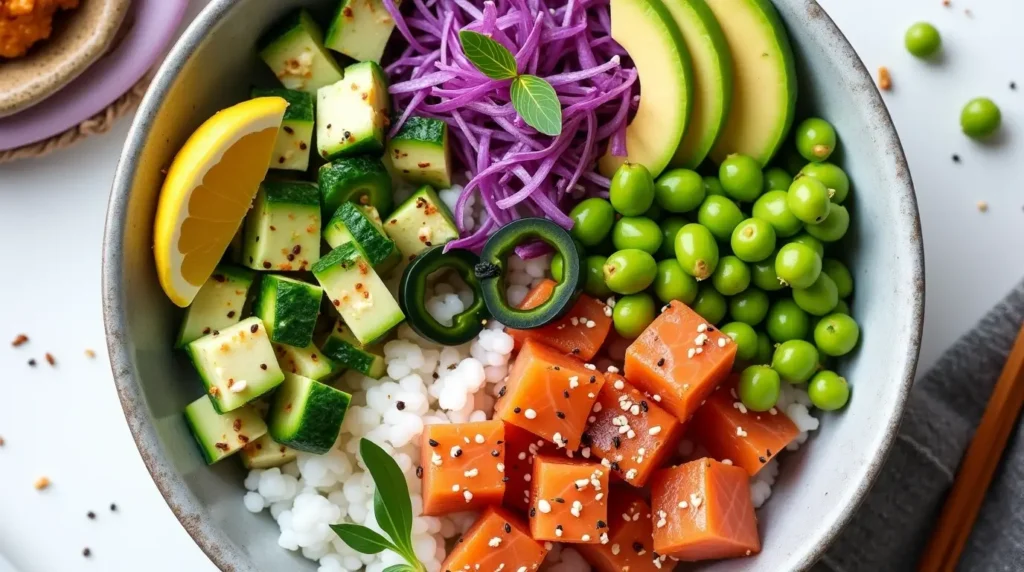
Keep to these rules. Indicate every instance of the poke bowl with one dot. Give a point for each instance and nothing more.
(524, 285)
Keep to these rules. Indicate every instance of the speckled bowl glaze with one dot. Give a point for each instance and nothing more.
(819, 487)
(79, 38)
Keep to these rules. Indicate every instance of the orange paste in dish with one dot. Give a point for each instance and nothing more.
(25, 22)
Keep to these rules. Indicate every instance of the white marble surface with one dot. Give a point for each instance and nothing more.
(65, 422)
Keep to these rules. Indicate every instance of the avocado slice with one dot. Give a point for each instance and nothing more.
(764, 79)
(646, 29)
(712, 79)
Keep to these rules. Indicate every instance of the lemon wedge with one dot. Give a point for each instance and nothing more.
(208, 189)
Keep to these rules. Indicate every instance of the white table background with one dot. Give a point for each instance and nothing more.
(65, 422)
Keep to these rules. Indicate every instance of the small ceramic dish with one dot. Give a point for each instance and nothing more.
(80, 36)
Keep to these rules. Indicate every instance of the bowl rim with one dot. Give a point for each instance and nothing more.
(221, 549)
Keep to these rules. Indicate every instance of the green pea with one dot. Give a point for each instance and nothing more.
(637, 232)
(815, 139)
(763, 275)
(808, 200)
(832, 228)
(830, 175)
(629, 271)
(922, 40)
(777, 179)
(709, 304)
(593, 283)
(795, 360)
(731, 277)
(839, 274)
(745, 338)
(836, 334)
(808, 240)
(697, 251)
(749, 306)
(773, 208)
(632, 314)
(797, 265)
(759, 388)
(819, 298)
(753, 240)
(712, 186)
(679, 190)
(842, 308)
(669, 228)
(741, 177)
(672, 283)
(980, 118)
(593, 219)
(786, 321)
(764, 349)
(720, 215)
(632, 189)
(556, 267)
(828, 391)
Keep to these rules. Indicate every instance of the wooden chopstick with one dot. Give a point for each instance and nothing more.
(979, 465)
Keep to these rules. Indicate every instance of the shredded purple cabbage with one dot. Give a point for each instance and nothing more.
(513, 169)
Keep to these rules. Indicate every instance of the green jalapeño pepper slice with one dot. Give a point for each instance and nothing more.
(412, 296)
(493, 266)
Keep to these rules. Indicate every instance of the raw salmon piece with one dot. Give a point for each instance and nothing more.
(521, 447)
(499, 540)
(702, 511)
(569, 500)
(630, 543)
(749, 439)
(549, 394)
(631, 431)
(463, 466)
(679, 360)
(579, 333)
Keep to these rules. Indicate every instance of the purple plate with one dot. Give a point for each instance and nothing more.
(151, 26)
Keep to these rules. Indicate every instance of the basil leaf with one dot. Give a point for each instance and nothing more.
(391, 503)
(362, 539)
(537, 103)
(491, 58)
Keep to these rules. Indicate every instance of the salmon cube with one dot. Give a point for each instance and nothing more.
(679, 360)
(630, 543)
(569, 500)
(702, 511)
(630, 431)
(549, 394)
(499, 540)
(580, 333)
(521, 447)
(748, 439)
(463, 466)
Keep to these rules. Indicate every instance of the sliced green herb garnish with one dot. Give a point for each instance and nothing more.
(491, 58)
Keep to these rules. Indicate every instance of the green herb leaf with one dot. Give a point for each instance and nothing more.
(401, 568)
(491, 58)
(537, 103)
(391, 503)
(362, 539)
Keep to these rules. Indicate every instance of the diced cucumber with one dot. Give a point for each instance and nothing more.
(362, 180)
(236, 365)
(352, 115)
(282, 231)
(291, 149)
(218, 304)
(221, 435)
(346, 351)
(307, 361)
(289, 309)
(360, 29)
(294, 50)
(358, 293)
(265, 453)
(363, 225)
(420, 222)
(419, 152)
(307, 415)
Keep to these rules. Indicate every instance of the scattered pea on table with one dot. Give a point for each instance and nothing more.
(980, 118)
(922, 40)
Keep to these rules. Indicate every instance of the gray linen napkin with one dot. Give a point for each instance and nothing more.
(892, 526)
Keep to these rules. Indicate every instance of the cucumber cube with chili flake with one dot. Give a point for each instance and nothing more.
(282, 231)
(289, 309)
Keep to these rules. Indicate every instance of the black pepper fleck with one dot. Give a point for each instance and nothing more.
(560, 415)
(400, 405)
(508, 528)
(433, 443)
